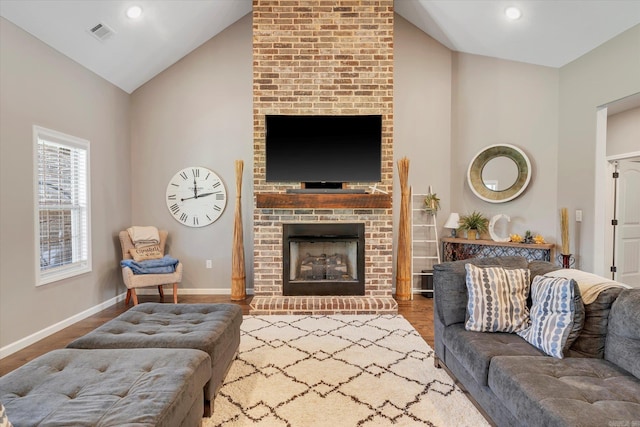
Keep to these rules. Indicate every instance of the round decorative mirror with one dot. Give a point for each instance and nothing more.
(499, 173)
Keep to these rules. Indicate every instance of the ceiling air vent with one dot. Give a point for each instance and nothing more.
(101, 31)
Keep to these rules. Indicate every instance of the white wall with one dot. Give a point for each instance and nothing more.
(198, 112)
(504, 102)
(605, 74)
(40, 86)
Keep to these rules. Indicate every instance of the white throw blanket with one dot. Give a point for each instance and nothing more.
(144, 236)
(590, 284)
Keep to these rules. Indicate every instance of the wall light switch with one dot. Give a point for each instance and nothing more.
(578, 215)
(209, 264)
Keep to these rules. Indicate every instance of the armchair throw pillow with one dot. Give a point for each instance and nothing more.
(497, 298)
(145, 253)
(557, 315)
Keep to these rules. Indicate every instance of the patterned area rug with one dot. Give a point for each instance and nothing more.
(337, 371)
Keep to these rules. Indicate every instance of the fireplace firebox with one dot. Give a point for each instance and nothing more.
(323, 259)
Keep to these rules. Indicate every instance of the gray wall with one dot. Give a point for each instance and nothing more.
(40, 86)
(505, 102)
(422, 115)
(198, 112)
(623, 132)
(605, 74)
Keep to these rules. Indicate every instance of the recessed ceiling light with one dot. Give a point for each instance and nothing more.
(134, 12)
(513, 13)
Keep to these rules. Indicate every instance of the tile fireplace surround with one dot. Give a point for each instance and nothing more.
(317, 57)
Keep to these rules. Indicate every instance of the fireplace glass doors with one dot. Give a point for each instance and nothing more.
(323, 259)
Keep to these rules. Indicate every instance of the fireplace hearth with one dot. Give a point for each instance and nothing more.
(323, 259)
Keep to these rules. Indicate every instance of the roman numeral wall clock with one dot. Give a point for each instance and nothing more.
(196, 196)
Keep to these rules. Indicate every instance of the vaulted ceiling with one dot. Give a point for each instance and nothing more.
(550, 33)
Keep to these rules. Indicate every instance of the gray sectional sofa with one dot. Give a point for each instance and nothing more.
(597, 383)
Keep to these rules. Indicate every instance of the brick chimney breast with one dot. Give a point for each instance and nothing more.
(322, 57)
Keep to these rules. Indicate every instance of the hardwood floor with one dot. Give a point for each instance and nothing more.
(419, 312)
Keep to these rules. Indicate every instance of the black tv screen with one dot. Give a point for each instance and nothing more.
(323, 148)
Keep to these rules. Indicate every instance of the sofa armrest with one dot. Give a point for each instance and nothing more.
(623, 336)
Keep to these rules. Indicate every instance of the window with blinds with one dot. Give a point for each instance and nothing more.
(62, 192)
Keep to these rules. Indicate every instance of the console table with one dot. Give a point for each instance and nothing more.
(454, 249)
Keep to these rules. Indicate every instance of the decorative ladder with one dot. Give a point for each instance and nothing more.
(425, 247)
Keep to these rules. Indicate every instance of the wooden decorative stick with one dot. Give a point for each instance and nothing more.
(403, 268)
(238, 275)
(564, 227)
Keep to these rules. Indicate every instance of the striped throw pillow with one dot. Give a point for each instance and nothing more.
(497, 298)
(552, 314)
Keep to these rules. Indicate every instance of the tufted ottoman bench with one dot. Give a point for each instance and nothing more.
(141, 387)
(212, 328)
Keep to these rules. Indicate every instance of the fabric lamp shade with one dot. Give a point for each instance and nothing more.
(453, 222)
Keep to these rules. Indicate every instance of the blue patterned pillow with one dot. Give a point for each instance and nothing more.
(497, 298)
(552, 313)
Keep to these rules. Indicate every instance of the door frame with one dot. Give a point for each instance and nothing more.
(607, 208)
(603, 187)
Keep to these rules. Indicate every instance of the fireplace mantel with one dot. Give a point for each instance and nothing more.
(319, 201)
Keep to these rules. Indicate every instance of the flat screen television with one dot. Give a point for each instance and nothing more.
(323, 149)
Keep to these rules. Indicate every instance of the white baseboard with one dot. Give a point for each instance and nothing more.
(50, 330)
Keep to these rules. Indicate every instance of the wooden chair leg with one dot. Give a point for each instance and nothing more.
(161, 291)
(128, 297)
(134, 296)
(175, 293)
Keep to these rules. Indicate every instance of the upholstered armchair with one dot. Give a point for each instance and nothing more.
(134, 281)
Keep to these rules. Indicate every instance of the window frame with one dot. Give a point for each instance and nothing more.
(73, 269)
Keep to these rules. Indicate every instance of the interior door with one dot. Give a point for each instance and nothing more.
(628, 233)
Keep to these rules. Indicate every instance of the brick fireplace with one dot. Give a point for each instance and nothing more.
(321, 57)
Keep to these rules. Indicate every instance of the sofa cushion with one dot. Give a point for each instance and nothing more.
(623, 338)
(497, 298)
(591, 341)
(474, 350)
(539, 268)
(450, 288)
(565, 392)
(557, 315)
(141, 387)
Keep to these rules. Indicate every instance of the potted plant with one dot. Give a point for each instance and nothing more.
(474, 223)
(431, 203)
